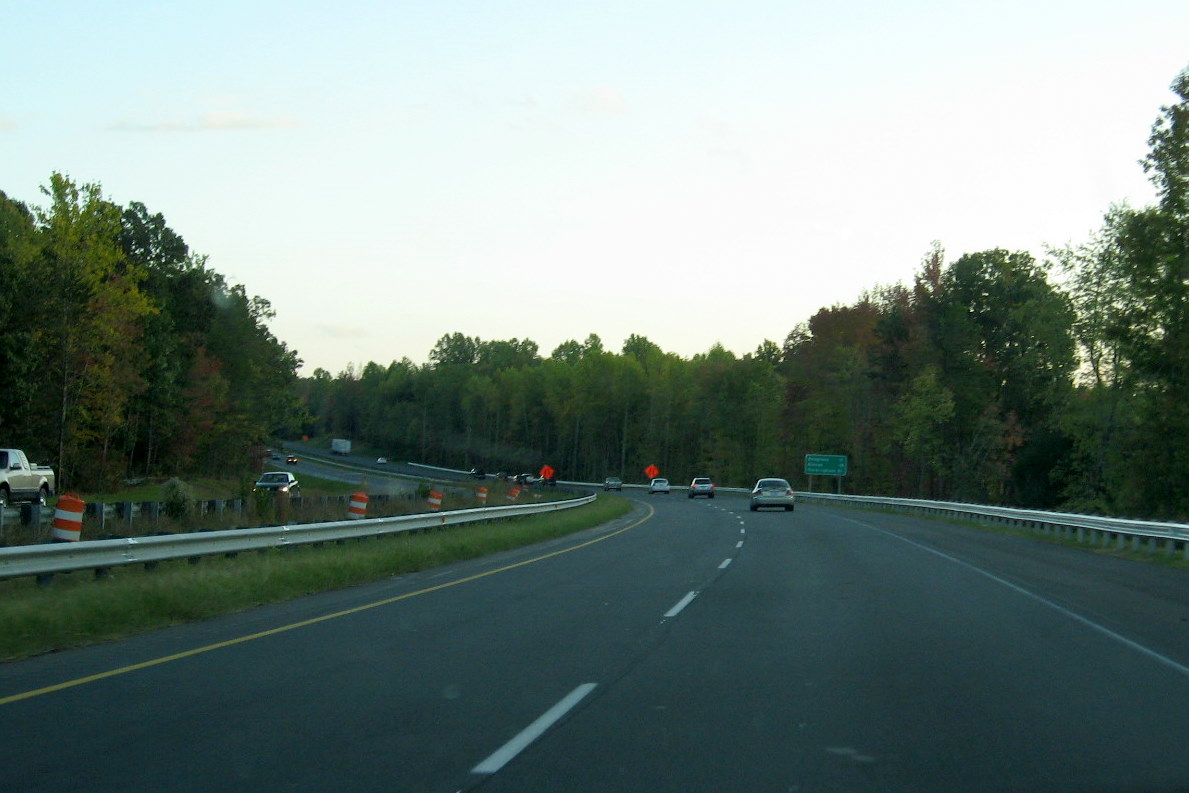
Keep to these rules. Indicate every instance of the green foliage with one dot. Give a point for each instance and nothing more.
(126, 354)
(1130, 283)
(177, 498)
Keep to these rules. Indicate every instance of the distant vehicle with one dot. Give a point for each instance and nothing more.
(340, 446)
(381, 461)
(291, 459)
(658, 486)
(772, 493)
(613, 483)
(477, 473)
(278, 482)
(701, 486)
(22, 481)
(525, 479)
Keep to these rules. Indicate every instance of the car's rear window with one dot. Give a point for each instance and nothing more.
(772, 483)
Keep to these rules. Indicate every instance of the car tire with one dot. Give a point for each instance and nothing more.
(711, 495)
(789, 508)
(3, 497)
(43, 496)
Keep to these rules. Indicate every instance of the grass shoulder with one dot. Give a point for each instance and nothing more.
(78, 610)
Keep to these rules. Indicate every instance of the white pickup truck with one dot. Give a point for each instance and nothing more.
(21, 481)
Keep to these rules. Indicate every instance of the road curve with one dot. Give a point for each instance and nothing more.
(691, 646)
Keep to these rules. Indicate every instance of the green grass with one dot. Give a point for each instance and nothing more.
(78, 610)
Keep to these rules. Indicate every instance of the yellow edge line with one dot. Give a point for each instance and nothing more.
(230, 642)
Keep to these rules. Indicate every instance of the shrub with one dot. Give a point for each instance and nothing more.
(176, 498)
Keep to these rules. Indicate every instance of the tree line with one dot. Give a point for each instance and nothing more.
(122, 353)
(992, 378)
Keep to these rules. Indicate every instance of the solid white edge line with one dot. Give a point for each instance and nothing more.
(532, 732)
(685, 601)
(725, 562)
(1184, 670)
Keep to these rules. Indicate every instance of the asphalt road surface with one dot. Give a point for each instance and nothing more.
(692, 646)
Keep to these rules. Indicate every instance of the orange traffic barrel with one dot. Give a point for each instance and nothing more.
(481, 494)
(68, 518)
(358, 507)
(435, 500)
(513, 493)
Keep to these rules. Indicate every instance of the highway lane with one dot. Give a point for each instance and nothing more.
(842, 652)
(406, 696)
(828, 649)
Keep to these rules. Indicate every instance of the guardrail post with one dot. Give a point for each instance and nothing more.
(97, 515)
(152, 511)
(31, 516)
(280, 507)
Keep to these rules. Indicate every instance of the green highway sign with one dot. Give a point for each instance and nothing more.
(825, 464)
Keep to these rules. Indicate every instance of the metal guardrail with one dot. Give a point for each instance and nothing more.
(31, 560)
(98, 554)
(1152, 536)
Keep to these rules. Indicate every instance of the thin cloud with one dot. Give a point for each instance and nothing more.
(211, 122)
(341, 331)
(6, 125)
(603, 99)
(739, 157)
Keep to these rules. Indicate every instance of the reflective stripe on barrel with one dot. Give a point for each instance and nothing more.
(358, 507)
(68, 518)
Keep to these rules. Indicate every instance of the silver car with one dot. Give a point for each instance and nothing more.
(772, 493)
(278, 482)
(658, 485)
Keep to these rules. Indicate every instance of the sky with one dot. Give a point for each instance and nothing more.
(696, 172)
